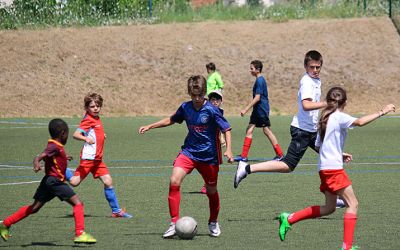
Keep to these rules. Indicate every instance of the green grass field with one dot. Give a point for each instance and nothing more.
(141, 165)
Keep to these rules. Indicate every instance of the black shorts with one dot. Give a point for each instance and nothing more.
(301, 140)
(51, 187)
(260, 122)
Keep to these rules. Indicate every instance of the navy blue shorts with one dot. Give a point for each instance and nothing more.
(301, 140)
(260, 122)
(51, 187)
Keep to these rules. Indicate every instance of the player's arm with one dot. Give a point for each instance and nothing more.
(362, 121)
(253, 102)
(79, 135)
(309, 105)
(37, 166)
(162, 123)
(228, 152)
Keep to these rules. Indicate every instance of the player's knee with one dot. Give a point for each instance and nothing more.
(211, 189)
(75, 181)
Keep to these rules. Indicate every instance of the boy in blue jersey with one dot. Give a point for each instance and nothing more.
(260, 116)
(201, 150)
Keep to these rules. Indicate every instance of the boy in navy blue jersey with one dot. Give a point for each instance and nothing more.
(260, 116)
(201, 150)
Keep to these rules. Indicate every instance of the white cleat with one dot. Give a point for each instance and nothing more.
(215, 231)
(170, 231)
(240, 173)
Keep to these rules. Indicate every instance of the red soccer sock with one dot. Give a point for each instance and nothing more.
(213, 201)
(246, 146)
(349, 224)
(278, 150)
(306, 213)
(22, 213)
(174, 199)
(79, 219)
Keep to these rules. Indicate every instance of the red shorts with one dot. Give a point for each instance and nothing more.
(333, 180)
(207, 171)
(97, 168)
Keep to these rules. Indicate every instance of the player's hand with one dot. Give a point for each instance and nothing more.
(347, 157)
(243, 112)
(229, 155)
(89, 140)
(143, 129)
(388, 108)
(37, 167)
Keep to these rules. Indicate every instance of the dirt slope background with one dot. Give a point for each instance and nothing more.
(142, 69)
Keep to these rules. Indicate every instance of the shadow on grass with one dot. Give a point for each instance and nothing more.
(51, 244)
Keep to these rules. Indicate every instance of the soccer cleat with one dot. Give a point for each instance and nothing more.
(215, 231)
(240, 158)
(278, 158)
(170, 233)
(85, 238)
(4, 231)
(352, 248)
(121, 214)
(284, 225)
(203, 190)
(340, 203)
(241, 173)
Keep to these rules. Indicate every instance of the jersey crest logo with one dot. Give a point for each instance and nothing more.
(204, 119)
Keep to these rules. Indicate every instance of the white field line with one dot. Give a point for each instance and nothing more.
(18, 183)
(11, 167)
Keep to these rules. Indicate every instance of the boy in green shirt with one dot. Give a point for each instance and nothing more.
(214, 80)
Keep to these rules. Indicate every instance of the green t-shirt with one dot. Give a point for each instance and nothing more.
(214, 82)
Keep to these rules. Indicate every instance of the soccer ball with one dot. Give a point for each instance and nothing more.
(186, 228)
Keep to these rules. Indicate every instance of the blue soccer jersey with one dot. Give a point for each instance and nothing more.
(261, 108)
(204, 125)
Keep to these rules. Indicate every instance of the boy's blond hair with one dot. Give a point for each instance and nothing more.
(93, 97)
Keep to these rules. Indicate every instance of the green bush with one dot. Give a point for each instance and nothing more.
(42, 13)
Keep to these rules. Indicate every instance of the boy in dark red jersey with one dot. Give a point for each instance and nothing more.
(201, 151)
(91, 131)
(52, 184)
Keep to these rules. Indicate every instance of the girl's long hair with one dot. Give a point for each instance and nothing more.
(336, 98)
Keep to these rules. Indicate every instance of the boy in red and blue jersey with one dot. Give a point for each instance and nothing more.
(91, 131)
(201, 150)
(52, 184)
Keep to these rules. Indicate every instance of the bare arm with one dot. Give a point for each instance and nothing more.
(251, 104)
(162, 123)
(80, 137)
(362, 121)
(309, 105)
(228, 152)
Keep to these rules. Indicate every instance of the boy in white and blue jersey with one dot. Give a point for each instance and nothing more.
(201, 150)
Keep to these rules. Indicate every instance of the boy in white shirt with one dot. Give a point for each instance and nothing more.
(303, 128)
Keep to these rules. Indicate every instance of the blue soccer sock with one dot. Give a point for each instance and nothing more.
(112, 199)
(68, 174)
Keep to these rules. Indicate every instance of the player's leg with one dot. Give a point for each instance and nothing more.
(80, 173)
(274, 142)
(183, 165)
(19, 215)
(248, 139)
(111, 196)
(79, 217)
(350, 216)
(210, 176)
(286, 220)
